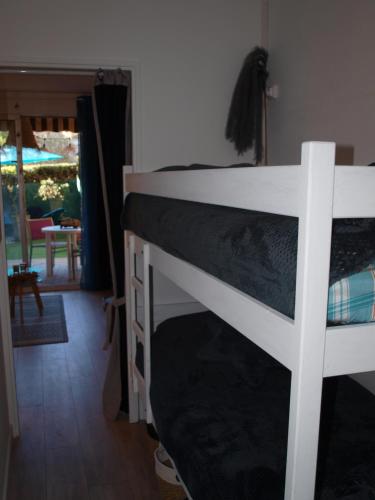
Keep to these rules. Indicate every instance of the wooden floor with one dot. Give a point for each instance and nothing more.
(67, 450)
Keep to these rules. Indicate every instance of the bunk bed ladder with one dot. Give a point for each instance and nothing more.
(139, 388)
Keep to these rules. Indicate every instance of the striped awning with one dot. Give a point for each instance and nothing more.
(43, 123)
(53, 124)
(28, 139)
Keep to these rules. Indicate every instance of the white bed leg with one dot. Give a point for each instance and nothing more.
(132, 383)
(304, 421)
(314, 244)
(147, 328)
(130, 310)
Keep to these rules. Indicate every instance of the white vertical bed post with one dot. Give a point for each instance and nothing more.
(131, 301)
(132, 383)
(147, 329)
(314, 245)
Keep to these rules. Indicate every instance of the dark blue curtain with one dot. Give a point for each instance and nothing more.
(110, 101)
(96, 273)
(112, 118)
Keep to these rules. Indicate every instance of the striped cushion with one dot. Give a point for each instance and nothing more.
(352, 299)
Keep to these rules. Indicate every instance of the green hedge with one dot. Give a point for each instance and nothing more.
(60, 173)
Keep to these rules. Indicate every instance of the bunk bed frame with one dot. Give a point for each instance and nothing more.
(316, 192)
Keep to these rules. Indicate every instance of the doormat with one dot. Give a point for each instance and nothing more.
(49, 328)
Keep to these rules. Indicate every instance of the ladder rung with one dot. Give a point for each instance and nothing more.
(137, 284)
(138, 330)
(138, 374)
(138, 246)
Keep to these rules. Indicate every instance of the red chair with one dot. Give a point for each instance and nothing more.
(34, 233)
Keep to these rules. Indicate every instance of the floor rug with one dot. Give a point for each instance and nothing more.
(49, 328)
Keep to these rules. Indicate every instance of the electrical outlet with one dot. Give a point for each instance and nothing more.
(273, 92)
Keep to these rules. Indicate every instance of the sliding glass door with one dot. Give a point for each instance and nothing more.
(12, 186)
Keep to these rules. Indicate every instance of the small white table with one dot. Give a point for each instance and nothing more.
(71, 242)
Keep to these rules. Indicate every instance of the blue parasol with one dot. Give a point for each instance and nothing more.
(8, 155)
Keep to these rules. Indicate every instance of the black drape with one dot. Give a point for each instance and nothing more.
(111, 112)
(111, 117)
(96, 274)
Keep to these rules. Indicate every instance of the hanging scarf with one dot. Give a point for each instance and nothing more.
(245, 120)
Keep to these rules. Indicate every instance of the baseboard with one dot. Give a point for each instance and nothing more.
(6, 468)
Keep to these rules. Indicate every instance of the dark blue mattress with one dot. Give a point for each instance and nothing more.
(221, 409)
(255, 252)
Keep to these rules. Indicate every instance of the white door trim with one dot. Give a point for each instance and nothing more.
(65, 66)
(90, 65)
(6, 332)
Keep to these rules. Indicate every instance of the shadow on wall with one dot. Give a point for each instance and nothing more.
(344, 154)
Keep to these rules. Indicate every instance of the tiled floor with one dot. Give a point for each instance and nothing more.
(67, 450)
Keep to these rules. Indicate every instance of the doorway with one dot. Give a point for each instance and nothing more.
(39, 155)
(30, 103)
(13, 188)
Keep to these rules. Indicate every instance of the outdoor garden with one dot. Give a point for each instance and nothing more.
(51, 181)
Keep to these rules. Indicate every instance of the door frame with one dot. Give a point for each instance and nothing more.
(90, 66)
(60, 66)
(16, 118)
(6, 332)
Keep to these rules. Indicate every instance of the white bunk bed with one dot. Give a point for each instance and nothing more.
(316, 192)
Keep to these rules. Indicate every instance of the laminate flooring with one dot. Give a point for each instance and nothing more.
(67, 449)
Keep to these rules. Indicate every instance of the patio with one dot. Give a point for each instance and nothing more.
(48, 188)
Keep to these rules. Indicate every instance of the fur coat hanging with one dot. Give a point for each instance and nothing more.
(245, 120)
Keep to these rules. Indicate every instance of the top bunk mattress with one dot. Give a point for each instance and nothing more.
(256, 252)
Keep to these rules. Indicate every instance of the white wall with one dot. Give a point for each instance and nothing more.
(322, 56)
(9, 425)
(189, 55)
(5, 430)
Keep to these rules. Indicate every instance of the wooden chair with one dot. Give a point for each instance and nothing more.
(75, 253)
(17, 283)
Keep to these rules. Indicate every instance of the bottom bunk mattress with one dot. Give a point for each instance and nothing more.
(221, 404)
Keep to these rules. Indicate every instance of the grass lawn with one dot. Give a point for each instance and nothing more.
(14, 250)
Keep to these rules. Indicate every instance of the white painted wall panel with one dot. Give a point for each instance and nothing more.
(321, 55)
(189, 55)
(5, 430)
